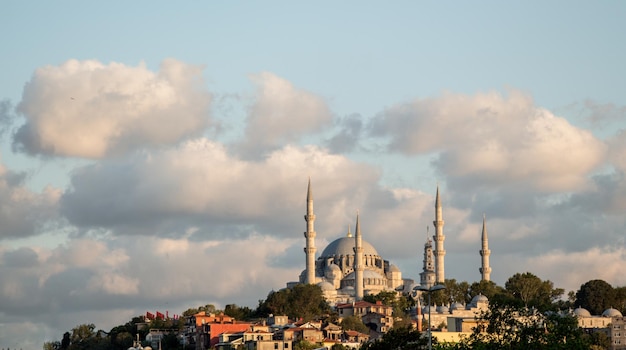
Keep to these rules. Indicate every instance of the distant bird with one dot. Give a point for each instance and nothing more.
(71, 98)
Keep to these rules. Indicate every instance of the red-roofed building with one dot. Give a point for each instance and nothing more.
(356, 337)
(204, 329)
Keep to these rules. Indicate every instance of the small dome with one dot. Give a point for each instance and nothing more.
(326, 286)
(393, 268)
(457, 306)
(611, 312)
(479, 299)
(443, 309)
(580, 312)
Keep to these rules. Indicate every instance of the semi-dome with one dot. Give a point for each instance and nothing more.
(611, 312)
(333, 267)
(326, 286)
(345, 246)
(580, 312)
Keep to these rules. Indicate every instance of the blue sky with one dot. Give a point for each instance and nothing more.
(177, 135)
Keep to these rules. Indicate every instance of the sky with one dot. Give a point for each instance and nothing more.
(155, 155)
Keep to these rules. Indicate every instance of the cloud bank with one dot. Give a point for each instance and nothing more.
(94, 110)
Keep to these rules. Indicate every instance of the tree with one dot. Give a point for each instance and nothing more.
(398, 339)
(385, 297)
(305, 345)
(304, 301)
(454, 292)
(400, 304)
(511, 328)
(620, 299)
(487, 288)
(532, 291)
(170, 341)
(596, 296)
(238, 313)
(52, 345)
(65, 342)
(354, 323)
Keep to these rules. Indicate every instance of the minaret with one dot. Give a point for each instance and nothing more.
(440, 253)
(485, 270)
(427, 277)
(419, 316)
(358, 261)
(310, 249)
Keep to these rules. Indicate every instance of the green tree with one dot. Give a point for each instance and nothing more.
(454, 292)
(487, 288)
(170, 342)
(238, 313)
(515, 328)
(354, 323)
(303, 301)
(305, 345)
(398, 339)
(385, 297)
(532, 291)
(52, 345)
(596, 296)
(399, 303)
(620, 299)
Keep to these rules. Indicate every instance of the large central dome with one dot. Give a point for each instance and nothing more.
(345, 246)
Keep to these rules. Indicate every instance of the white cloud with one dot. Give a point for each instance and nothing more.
(93, 110)
(23, 212)
(281, 113)
(569, 270)
(199, 185)
(147, 278)
(489, 140)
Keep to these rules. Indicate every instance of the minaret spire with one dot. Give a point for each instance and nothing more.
(358, 261)
(485, 270)
(439, 238)
(310, 249)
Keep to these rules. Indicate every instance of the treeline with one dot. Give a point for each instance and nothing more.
(528, 290)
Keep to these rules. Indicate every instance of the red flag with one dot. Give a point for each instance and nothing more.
(160, 315)
(149, 315)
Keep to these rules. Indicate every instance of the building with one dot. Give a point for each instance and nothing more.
(203, 330)
(349, 267)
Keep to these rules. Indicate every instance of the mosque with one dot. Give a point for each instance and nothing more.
(350, 267)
